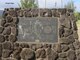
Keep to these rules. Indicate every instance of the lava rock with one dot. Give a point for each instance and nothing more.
(6, 53)
(63, 55)
(12, 38)
(7, 31)
(7, 45)
(27, 54)
(71, 55)
(1, 29)
(2, 39)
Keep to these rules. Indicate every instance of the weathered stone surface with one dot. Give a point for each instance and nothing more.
(6, 53)
(71, 55)
(14, 30)
(74, 25)
(40, 53)
(75, 35)
(63, 55)
(27, 13)
(9, 19)
(62, 20)
(62, 59)
(35, 12)
(12, 38)
(16, 52)
(7, 45)
(51, 54)
(1, 29)
(57, 48)
(24, 45)
(71, 46)
(78, 54)
(76, 44)
(64, 47)
(68, 48)
(7, 31)
(45, 13)
(67, 40)
(6, 38)
(12, 12)
(61, 31)
(55, 13)
(20, 13)
(67, 23)
(67, 32)
(27, 54)
(3, 22)
(1, 50)
(2, 39)
(15, 20)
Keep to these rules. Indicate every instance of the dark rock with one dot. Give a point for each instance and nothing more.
(2, 39)
(7, 31)
(14, 31)
(51, 54)
(67, 32)
(7, 24)
(55, 13)
(57, 48)
(75, 35)
(27, 54)
(78, 54)
(63, 55)
(24, 45)
(27, 13)
(1, 29)
(78, 57)
(15, 20)
(71, 39)
(9, 19)
(64, 47)
(74, 25)
(7, 45)
(71, 46)
(40, 53)
(6, 53)
(16, 52)
(12, 38)
(67, 40)
(3, 22)
(67, 23)
(12, 12)
(62, 59)
(62, 20)
(76, 44)
(61, 31)
(71, 55)
(1, 50)
(20, 13)
(6, 37)
(45, 13)
(35, 12)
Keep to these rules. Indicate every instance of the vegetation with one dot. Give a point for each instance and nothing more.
(28, 4)
(70, 5)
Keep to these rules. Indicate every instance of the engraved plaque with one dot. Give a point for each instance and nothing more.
(42, 29)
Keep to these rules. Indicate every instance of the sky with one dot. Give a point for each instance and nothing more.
(42, 4)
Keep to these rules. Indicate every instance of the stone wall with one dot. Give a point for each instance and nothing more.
(67, 47)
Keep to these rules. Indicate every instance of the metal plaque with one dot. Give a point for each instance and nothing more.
(42, 29)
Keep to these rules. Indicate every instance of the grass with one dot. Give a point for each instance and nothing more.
(78, 23)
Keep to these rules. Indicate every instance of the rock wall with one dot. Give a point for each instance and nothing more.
(67, 47)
